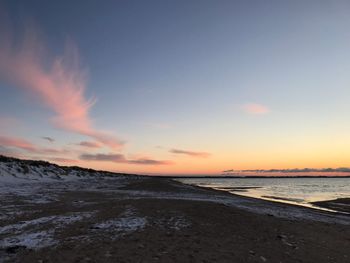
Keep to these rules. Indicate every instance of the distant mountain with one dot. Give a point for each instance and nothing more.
(14, 170)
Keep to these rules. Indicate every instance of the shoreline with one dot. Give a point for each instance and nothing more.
(143, 219)
(342, 204)
(332, 205)
(322, 206)
(325, 205)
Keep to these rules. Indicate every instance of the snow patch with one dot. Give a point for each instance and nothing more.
(175, 222)
(125, 224)
(35, 240)
(58, 221)
(128, 222)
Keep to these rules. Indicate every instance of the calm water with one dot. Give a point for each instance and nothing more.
(301, 191)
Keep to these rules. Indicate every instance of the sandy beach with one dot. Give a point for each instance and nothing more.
(174, 131)
(140, 219)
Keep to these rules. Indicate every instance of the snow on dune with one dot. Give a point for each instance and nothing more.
(22, 171)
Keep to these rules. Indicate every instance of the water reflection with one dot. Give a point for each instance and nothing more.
(299, 191)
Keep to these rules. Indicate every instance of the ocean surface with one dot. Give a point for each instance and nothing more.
(299, 191)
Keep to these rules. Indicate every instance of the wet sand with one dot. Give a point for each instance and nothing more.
(340, 204)
(136, 219)
(238, 188)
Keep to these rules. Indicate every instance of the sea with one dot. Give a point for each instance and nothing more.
(297, 191)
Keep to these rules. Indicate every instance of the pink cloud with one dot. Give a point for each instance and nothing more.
(42, 150)
(58, 84)
(22, 144)
(150, 162)
(89, 144)
(111, 157)
(17, 143)
(254, 108)
(190, 153)
(120, 158)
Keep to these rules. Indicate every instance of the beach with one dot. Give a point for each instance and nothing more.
(174, 131)
(142, 219)
(325, 193)
(339, 204)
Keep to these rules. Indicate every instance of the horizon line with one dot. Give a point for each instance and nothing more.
(224, 174)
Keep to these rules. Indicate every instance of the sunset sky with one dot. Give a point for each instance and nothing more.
(176, 87)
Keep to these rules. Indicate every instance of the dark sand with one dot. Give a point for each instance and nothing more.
(146, 220)
(340, 204)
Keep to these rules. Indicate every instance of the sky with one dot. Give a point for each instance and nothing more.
(176, 87)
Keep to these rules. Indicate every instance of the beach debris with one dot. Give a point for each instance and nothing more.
(141, 246)
(284, 240)
(263, 259)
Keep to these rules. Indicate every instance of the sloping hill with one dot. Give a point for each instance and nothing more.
(14, 170)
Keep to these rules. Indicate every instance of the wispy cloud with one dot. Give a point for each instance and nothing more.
(120, 158)
(59, 84)
(22, 144)
(42, 150)
(255, 108)
(49, 139)
(17, 143)
(110, 157)
(89, 144)
(190, 153)
(10, 152)
(150, 162)
(7, 151)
